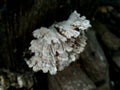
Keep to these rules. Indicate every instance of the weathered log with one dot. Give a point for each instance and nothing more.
(71, 78)
(94, 62)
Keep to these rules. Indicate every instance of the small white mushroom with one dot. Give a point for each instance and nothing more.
(59, 45)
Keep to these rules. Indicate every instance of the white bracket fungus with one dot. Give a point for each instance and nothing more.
(59, 45)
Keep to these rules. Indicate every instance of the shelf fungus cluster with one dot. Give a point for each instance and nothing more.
(57, 46)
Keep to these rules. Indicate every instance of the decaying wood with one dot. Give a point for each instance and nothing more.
(71, 78)
(95, 62)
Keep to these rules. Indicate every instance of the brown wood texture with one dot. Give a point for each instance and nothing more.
(72, 78)
(94, 61)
